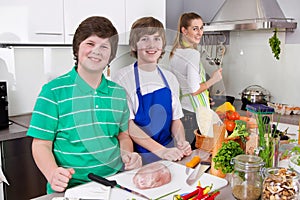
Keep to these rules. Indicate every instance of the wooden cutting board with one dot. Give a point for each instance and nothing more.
(178, 182)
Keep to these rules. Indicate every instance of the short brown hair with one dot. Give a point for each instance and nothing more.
(145, 26)
(99, 26)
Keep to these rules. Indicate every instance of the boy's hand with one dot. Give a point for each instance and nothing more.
(185, 147)
(60, 178)
(132, 161)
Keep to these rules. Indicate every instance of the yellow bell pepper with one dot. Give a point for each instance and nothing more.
(227, 106)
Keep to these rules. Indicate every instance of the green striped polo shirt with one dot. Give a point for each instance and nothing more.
(83, 124)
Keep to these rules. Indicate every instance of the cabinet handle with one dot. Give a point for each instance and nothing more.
(71, 34)
(41, 33)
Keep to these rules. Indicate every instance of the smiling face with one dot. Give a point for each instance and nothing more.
(193, 32)
(93, 54)
(149, 49)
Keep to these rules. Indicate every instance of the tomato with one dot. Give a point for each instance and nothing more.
(232, 115)
(229, 124)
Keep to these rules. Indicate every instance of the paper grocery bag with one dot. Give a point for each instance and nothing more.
(217, 146)
(209, 144)
(206, 118)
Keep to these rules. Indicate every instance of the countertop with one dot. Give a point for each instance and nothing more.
(20, 123)
(288, 119)
(225, 192)
(14, 131)
(17, 128)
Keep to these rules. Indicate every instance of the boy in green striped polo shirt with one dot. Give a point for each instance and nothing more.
(80, 120)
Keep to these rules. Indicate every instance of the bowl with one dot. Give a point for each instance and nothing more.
(294, 164)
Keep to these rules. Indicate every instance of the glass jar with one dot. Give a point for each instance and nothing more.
(280, 183)
(246, 182)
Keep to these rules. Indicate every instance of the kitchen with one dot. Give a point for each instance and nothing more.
(28, 67)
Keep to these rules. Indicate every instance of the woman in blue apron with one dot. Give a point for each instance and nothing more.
(153, 96)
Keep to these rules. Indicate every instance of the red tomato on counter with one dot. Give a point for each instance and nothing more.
(232, 115)
(229, 124)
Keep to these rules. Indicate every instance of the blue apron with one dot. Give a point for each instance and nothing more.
(154, 116)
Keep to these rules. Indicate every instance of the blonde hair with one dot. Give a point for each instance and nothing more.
(145, 26)
(183, 21)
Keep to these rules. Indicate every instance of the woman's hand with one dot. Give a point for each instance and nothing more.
(185, 147)
(216, 77)
(171, 154)
(132, 161)
(60, 178)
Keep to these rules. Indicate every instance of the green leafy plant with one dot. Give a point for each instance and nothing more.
(275, 44)
(266, 145)
(223, 157)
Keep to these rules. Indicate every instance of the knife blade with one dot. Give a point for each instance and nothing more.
(114, 183)
(197, 173)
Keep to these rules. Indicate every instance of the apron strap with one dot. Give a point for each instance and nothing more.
(137, 79)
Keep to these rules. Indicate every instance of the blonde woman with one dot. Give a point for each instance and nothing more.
(186, 65)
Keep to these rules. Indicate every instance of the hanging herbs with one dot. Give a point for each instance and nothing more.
(275, 44)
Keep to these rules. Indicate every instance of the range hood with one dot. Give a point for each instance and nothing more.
(250, 15)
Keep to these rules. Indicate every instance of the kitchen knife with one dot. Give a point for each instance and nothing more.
(113, 183)
(197, 173)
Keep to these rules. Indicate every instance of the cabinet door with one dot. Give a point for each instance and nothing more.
(136, 9)
(78, 10)
(31, 21)
(46, 21)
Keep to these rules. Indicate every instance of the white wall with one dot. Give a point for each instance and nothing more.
(258, 66)
(27, 69)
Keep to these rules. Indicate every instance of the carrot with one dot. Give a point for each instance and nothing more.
(193, 162)
(244, 118)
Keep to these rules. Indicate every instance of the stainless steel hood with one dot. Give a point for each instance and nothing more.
(250, 15)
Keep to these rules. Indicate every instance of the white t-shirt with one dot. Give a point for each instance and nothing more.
(149, 82)
(185, 65)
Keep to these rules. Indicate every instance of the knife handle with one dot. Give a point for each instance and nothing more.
(102, 180)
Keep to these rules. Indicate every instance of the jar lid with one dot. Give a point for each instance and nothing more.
(245, 162)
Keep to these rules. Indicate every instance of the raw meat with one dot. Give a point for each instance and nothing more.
(152, 175)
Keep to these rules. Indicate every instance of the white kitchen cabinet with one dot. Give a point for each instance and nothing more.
(55, 21)
(31, 21)
(136, 9)
(78, 10)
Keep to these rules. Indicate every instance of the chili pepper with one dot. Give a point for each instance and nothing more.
(194, 193)
(177, 197)
(193, 162)
(189, 195)
(201, 197)
(207, 189)
(213, 195)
